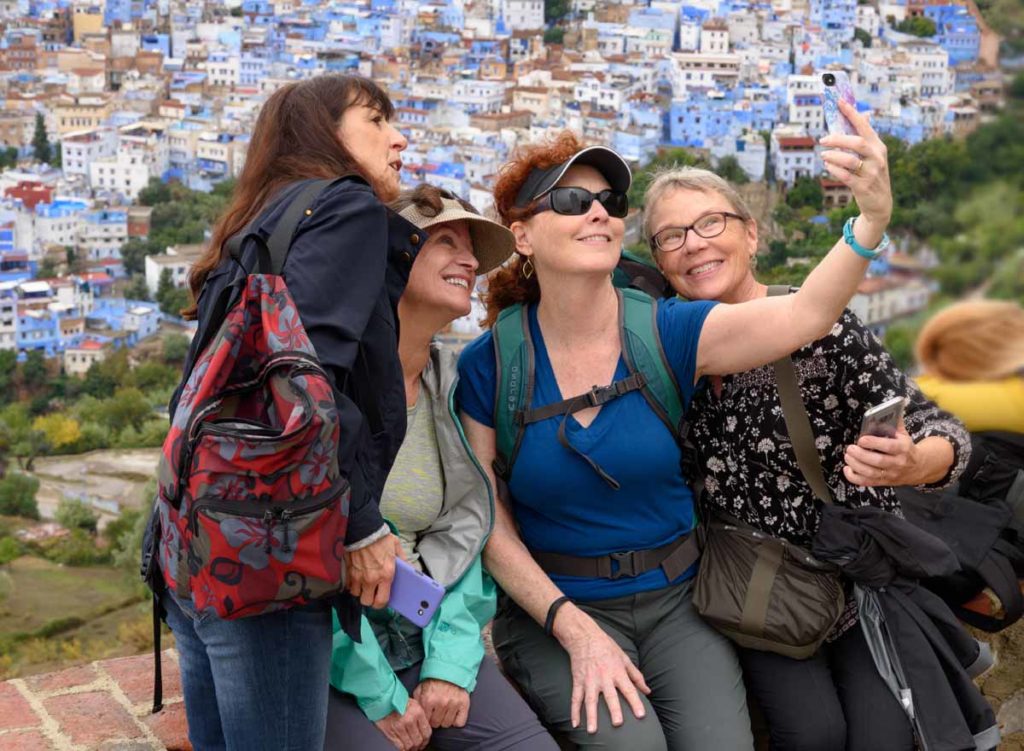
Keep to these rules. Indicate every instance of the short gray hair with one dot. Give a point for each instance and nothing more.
(669, 179)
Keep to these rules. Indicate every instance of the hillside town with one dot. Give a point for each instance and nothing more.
(102, 99)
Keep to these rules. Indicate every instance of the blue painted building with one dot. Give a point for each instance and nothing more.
(700, 118)
(956, 31)
(836, 18)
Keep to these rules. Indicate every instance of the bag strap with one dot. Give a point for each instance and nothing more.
(801, 435)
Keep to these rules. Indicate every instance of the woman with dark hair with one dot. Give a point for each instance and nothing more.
(403, 686)
(592, 541)
(261, 682)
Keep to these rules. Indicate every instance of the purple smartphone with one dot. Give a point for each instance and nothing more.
(414, 594)
(835, 85)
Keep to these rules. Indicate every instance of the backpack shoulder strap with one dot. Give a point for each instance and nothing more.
(513, 356)
(643, 353)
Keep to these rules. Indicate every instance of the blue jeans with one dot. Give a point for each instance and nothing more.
(256, 683)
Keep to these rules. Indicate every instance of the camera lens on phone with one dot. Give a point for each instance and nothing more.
(829, 79)
(424, 604)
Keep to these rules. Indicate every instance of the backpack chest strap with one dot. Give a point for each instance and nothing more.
(596, 397)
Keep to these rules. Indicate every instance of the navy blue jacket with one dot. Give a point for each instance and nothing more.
(347, 267)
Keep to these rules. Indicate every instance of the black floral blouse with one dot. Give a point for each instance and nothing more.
(743, 447)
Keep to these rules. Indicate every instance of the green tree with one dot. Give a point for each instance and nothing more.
(806, 191)
(554, 35)
(729, 168)
(47, 268)
(919, 26)
(74, 514)
(172, 299)
(152, 375)
(666, 159)
(33, 370)
(175, 348)
(137, 289)
(8, 372)
(1016, 88)
(9, 550)
(40, 143)
(156, 191)
(18, 495)
(555, 10)
(862, 36)
(8, 157)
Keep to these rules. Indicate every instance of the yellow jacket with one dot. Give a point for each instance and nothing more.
(980, 405)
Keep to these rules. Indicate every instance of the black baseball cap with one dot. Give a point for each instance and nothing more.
(604, 160)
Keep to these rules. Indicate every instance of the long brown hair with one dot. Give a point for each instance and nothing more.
(295, 138)
(508, 286)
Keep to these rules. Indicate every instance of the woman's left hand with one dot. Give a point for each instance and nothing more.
(875, 461)
(446, 704)
(862, 164)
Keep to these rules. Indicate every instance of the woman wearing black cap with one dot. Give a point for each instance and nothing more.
(591, 538)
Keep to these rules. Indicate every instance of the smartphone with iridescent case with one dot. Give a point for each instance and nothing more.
(835, 85)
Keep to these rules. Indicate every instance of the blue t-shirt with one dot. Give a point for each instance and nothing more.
(559, 502)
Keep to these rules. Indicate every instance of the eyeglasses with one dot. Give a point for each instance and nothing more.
(577, 201)
(707, 226)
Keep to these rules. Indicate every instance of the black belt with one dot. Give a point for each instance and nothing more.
(674, 558)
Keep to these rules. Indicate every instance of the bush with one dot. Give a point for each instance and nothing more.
(9, 550)
(18, 495)
(175, 348)
(77, 549)
(74, 515)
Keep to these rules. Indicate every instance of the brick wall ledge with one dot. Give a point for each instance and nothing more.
(102, 706)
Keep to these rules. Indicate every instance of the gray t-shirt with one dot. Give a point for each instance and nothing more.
(414, 491)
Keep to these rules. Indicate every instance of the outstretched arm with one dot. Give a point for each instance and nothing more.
(739, 337)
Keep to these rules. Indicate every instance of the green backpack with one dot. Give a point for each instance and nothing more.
(649, 373)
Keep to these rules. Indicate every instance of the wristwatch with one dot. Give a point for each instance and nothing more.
(860, 249)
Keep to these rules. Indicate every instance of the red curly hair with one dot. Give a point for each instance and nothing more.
(507, 286)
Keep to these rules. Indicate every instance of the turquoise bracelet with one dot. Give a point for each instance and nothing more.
(860, 249)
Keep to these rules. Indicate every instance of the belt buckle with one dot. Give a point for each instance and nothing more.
(627, 564)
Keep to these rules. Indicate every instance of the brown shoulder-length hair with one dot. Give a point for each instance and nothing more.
(295, 138)
(507, 286)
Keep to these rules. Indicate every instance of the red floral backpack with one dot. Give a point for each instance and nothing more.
(251, 506)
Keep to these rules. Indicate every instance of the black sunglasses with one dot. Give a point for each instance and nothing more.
(577, 201)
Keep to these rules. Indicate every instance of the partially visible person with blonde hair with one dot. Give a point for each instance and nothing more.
(972, 362)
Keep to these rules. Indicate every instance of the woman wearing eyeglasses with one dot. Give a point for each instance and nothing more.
(704, 239)
(603, 485)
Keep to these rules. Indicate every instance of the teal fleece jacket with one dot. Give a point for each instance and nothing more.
(452, 646)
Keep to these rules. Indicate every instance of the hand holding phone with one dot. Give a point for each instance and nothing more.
(883, 420)
(835, 85)
(414, 594)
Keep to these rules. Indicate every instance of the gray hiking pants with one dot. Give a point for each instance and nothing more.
(697, 700)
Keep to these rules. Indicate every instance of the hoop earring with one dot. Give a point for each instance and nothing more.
(526, 269)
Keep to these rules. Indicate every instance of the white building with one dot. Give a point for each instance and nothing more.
(931, 62)
(78, 360)
(81, 148)
(119, 174)
(524, 14)
(143, 320)
(793, 155)
(178, 259)
(8, 316)
(714, 38)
